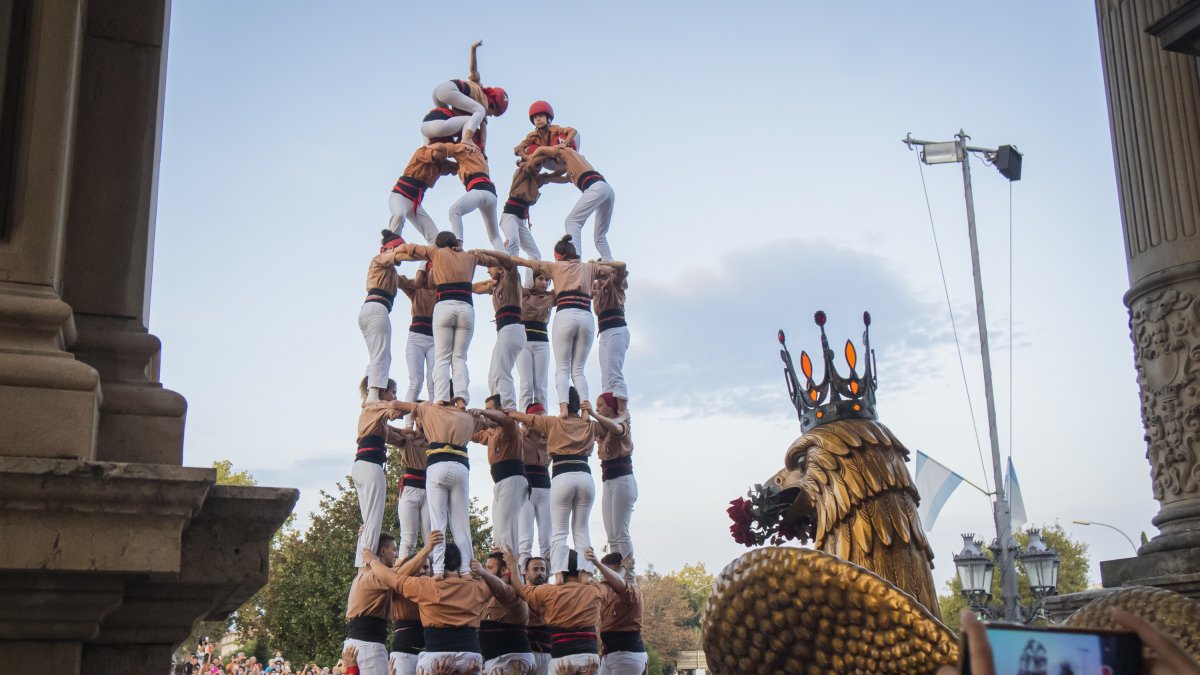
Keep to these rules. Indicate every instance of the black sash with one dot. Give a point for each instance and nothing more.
(615, 468)
(568, 641)
(408, 637)
(371, 449)
(537, 476)
(497, 639)
(456, 639)
(458, 291)
(367, 629)
(621, 641)
(507, 469)
(561, 464)
(611, 318)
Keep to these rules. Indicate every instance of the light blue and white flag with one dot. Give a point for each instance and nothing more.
(935, 483)
(1016, 503)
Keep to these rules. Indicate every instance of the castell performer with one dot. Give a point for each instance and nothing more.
(597, 197)
(480, 194)
(539, 633)
(505, 289)
(545, 134)
(574, 329)
(503, 627)
(527, 182)
(427, 165)
(621, 649)
(449, 609)
(412, 505)
(533, 363)
(374, 435)
(418, 349)
(462, 106)
(448, 429)
(454, 314)
(408, 635)
(374, 319)
(368, 609)
(608, 301)
(505, 449)
(569, 442)
(620, 491)
(536, 510)
(571, 610)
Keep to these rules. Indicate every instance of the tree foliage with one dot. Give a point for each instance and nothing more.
(1072, 574)
(698, 583)
(669, 622)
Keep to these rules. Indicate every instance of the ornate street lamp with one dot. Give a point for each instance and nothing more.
(975, 569)
(1040, 563)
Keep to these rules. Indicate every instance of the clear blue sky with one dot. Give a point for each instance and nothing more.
(754, 150)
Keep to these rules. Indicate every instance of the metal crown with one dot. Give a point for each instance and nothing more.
(834, 397)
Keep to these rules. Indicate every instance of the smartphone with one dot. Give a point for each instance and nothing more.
(1018, 650)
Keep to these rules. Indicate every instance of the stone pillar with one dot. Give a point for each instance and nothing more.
(1154, 109)
(111, 226)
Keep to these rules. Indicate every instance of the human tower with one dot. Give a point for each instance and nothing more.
(519, 613)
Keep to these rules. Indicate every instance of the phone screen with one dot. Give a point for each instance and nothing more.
(1030, 651)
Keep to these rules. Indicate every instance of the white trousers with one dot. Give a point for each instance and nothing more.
(412, 509)
(573, 333)
(598, 199)
(533, 368)
(447, 94)
(575, 664)
(371, 485)
(419, 354)
(518, 237)
(376, 326)
(402, 209)
(459, 663)
(453, 326)
(372, 657)
(623, 663)
(510, 664)
(571, 497)
(444, 128)
(614, 342)
(541, 663)
(486, 203)
(535, 511)
(510, 341)
(620, 494)
(508, 496)
(404, 663)
(449, 511)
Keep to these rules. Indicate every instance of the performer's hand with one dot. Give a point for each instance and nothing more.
(586, 408)
(510, 558)
(1166, 656)
(476, 568)
(350, 656)
(478, 43)
(368, 555)
(589, 555)
(435, 538)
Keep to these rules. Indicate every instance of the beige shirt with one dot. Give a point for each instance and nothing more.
(515, 611)
(446, 424)
(423, 297)
(571, 275)
(536, 305)
(621, 611)
(373, 421)
(453, 602)
(381, 273)
(404, 609)
(567, 436)
(427, 163)
(612, 446)
(534, 448)
(548, 136)
(470, 163)
(576, 164)
(568, 605)
(609, 293)
(369, 596)
(450, 266)
(504, 442)
(413, 446)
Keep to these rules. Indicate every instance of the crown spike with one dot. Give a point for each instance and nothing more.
(835, 397)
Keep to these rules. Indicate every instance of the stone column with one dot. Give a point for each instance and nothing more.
(110, 228)
(1154, 108)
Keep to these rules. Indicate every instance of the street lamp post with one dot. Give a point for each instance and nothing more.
(1111, 527)
(1008, 161)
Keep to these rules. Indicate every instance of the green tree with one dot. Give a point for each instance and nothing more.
(1072, 573)
(227, 476)
(668, 618)
(698, 583)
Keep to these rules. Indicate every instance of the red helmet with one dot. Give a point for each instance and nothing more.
(541, 108)
(497, 99)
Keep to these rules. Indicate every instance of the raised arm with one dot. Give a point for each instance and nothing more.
(613, 579)
(518, 584)
(395, 577)
(499, 417)
(615, 264)
(474, 62)
(413, 252)
(483, 287)
(614, 427)
(503, 592)
(492, 259)
(521, 417)
(403, 406)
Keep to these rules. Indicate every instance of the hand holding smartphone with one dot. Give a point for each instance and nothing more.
(1018, 650)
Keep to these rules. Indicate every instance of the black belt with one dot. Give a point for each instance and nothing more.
(479, 181)
(611, 318)
(561, 464)
(497, 639)
(460, 291)
(422, 325)
(587, 179)
(412, 478)
(438, 115)
(447, 452)
(621, 641)
(568, 641)
(540, 639)
(507, 316)
(371, 449)
(408, 636)
(615, 468)
(367, 629)
(507, 469)
(537, 331)
(411, 188)
(517, 207)
(537, 476)
(573, 300)
(381, 296)
(452, 639)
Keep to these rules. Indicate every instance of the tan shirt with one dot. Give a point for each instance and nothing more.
(412, 446)
(427, 163)
(504, 442)
(570, 275)
(446, 424)
(621, 611)
(404, 609)
(569, 605)
(612, 446)
(476, 92)
(576, 164)
(369, 596)
(423, 297)
(453, 602)
(381, 273)
(450, 266)
(536, 305)
(527, 181)
(515, 611)
(373, 421)
(506, 290)
(534, 448)
(547, 136)
(470, 163)
(567, 436)
(609, 293)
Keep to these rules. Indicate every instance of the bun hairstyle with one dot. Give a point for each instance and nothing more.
(445, 240)
(572, 564)
(573, 401)
(565, 250)
(612, 559)
(389, 236)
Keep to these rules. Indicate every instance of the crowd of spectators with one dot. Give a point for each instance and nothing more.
(204, 661)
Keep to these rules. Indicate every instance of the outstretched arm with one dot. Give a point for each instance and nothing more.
(474, 61)
(493, 259)
(511, 561)
(614, 427)
(499, 417)
(483, 287)
(545, 151)
(609, 575)
(403, 406)
(503, 592)
(393, 577)
(556, 177)
(521, 417)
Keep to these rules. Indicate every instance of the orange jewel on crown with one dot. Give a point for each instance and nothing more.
(834, 397)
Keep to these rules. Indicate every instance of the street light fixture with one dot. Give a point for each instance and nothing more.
(975, 569)
(1041, 566)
